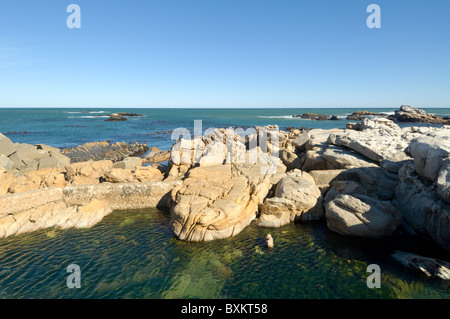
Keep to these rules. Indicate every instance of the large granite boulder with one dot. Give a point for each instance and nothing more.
(362, 216)
(148, 174)
(379, 140)
(89, 172)
(296, 198)
(424, 212)
(342, 158)
(32, 180)
(130, 163)
(76, 206)
(219, 201)
(431, 155)
(7, 147)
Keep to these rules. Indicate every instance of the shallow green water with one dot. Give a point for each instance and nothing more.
(132, 254)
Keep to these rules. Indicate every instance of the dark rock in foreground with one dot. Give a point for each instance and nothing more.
(431, 267)
(104, 151)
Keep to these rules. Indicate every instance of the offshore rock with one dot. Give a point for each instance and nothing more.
(412, 114)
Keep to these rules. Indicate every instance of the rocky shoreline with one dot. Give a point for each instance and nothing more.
(366, 182)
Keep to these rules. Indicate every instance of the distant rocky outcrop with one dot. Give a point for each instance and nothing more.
(127, 114)
(116, 117)
(317, 117)
(410, 114)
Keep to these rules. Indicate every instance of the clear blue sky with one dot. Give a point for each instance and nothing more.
(224, 53)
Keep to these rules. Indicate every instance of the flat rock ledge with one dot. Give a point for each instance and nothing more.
(77, 206)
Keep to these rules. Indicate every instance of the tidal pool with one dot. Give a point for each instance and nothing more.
(133, 254)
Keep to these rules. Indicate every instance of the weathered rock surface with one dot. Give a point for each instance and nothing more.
(344, 187)
(76, 206)
(20, 158)
(296, 198)
(148, 174)
(323, 178)
(219, 201)
(89, 172)
(6, 179)
(32, 180)
(6, 163)
(431, 155)
(7, 147)
(342, 158)
(156, 156)
(429, 266)
(362, 216)
(379, 140)
(130, 163)
(290, 160)
(104, 151)
(424, 212)
(120, 175)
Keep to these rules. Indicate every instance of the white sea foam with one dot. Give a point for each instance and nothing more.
(88, 117)
(277, 117)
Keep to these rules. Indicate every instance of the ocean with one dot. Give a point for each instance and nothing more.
(62, 127)
(133, 254)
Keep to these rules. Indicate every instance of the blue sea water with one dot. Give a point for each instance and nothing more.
(63, 127)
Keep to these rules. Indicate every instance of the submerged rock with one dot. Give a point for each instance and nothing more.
(269, 241)
(429, 266)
